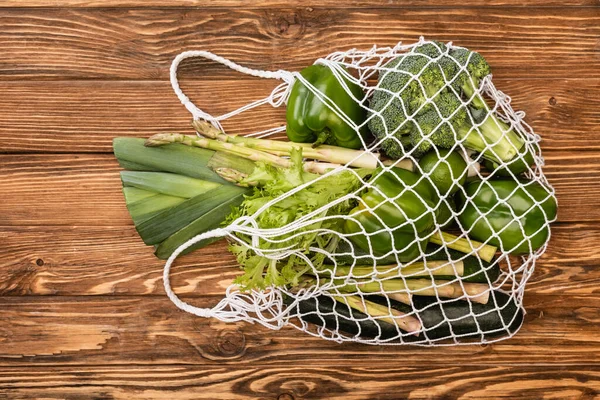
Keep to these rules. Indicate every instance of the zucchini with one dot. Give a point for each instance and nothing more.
(325, 312)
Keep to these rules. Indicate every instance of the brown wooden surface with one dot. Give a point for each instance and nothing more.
(84, 314)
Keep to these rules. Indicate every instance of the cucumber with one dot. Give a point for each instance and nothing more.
(320, 311)
(475, 270)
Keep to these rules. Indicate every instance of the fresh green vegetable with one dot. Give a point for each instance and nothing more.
(146, 208)
(182, 160)
(447, 170)
(516, 166)
(311, 119)
(376, 212)
(400, 201)
(272, 182)
(473, 269)
(203, 199)
(394, 111)
(440, 320)
(409, 271)
(332, 154)
(402, 289)
(162, 225)
(210, 220)
(384, 314)
(513, 215)
(133, 194)
(431, 86)
(167, 183)
(444, 215)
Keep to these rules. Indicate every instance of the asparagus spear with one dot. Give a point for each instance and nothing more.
(478, 292)
(406, 322)
(486, 252)
(334, 154)
(436, 268)
(242, 151)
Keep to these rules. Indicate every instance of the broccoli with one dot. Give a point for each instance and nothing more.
(426, 87)
(477, 136)
(411, 80)
(430, 131)
(467, 82)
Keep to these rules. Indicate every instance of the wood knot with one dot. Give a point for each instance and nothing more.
(39, 262)
(283, 26)
(231, 343)
(285, 396)
(552, 101)
(287, 26)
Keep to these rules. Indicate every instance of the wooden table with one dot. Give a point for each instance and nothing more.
(84, 314)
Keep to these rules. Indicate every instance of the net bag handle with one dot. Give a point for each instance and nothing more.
(278, 96)
(234, 306)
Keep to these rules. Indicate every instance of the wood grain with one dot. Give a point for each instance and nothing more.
(370, 4)
(140, 44)
(84, 313)
(88, 183)
(81, 116)
(84, 261)
(300, 381)
(101, 330)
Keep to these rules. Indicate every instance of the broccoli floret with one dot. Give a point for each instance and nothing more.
(467, 82)
(396, 147)
(431, 130)
(402, 91)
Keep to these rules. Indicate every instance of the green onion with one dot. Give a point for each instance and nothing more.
(176, 158)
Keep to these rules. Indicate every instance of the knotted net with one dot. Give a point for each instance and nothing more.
(325, 307)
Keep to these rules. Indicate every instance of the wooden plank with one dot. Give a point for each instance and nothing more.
(100, 330)
(83, 261)
(80, 116)
(140, 44)
(296, 3)
(70, 189)
(300, 381)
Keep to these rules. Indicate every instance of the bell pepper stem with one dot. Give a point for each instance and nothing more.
(485, 251)
(322, 138)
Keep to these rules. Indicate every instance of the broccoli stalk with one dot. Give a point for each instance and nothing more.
(492, 137)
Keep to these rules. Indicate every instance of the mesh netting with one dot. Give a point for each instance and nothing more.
(324, 306)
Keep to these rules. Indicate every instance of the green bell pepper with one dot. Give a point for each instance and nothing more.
(310, 120)
(391, 199)
(498, 200)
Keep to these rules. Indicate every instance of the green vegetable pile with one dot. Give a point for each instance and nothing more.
(329, 213)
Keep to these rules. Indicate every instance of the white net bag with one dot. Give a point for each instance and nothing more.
(386, 271)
